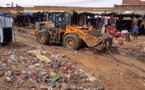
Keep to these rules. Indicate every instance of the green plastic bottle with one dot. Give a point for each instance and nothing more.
(55, 78)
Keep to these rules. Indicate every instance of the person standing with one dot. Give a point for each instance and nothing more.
(135, 31)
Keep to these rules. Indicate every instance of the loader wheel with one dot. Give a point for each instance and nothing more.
(71, 41)
(42, 37)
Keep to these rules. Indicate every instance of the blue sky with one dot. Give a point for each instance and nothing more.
(81, 3)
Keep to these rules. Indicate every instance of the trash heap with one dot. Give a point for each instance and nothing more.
(40, 70)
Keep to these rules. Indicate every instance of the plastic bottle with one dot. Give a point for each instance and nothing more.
(55, 78)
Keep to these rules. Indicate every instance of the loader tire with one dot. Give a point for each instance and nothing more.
(42, 37)
(72, 41)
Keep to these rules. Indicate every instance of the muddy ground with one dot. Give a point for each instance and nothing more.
(118, 70)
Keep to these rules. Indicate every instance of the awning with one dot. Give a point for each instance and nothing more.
(5, 14)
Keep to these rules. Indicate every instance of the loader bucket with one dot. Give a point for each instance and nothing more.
(94, 38)
(92, 41)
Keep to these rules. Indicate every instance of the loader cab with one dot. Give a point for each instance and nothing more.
(60, 20)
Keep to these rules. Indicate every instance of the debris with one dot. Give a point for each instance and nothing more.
(6, 54)
(136, 51)
(19, 83)
(31, 86)
(37, 64)
(1, 73)
(69, 67)
(56, 85)
(12, 58)
(55, 78)
(17, 73)
(34, 52)
(92, 79)
(50, 71)
(8, 73)
(46, 88)
(57, 71)
(37, 52)
(43, 58)
(10, 79)
(100, 88)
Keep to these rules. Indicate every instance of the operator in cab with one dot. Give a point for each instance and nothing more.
(90, 26)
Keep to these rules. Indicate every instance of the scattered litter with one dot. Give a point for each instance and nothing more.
(46, 72)
(55, 79)
(12, 58)
(37, 52)
(92, 79)
(6, 54)
(43, 58)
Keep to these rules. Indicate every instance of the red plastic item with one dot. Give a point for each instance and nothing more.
(117, 34)
(17, 73)
(111, 29)
(69, 67)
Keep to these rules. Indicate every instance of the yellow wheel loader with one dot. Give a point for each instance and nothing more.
(59, 30)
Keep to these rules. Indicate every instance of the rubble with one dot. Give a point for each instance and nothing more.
(137, 51)
(44, 71)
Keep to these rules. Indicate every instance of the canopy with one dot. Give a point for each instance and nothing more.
(5, 14)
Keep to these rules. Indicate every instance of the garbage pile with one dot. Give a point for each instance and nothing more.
(42, 70)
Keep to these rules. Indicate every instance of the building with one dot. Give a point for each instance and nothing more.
(131, 6)
(133, 2)
(11, 9)
(126, 9)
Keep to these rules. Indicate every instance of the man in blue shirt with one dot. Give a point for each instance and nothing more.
(135, 31)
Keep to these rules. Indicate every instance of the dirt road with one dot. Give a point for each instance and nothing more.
(114, 71)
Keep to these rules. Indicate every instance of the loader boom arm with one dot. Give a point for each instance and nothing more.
(80, 32)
